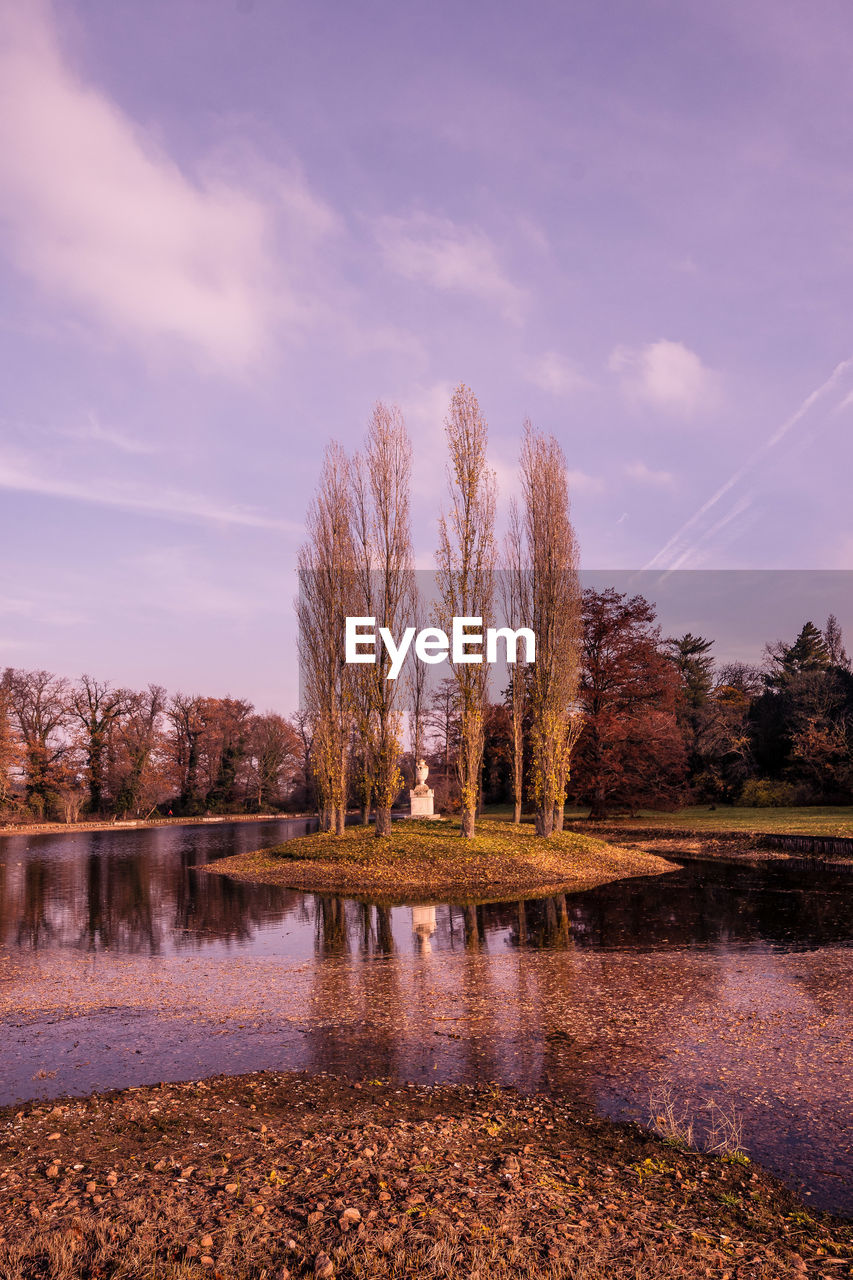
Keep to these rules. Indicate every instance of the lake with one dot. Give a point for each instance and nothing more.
(726, 985)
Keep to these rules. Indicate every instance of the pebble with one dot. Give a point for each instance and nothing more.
(324, 1268)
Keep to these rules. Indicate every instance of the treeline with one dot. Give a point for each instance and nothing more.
(664, 725)
(85, 746)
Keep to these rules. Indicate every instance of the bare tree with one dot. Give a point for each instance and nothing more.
(135, 749)
(326, 565)
(185, 717)
(556, 609)
(97, 707)
(416, 688)
(8, 749)
(39, 706)
(465, 577)
(382, 536)
(275, 750)
(517, 610)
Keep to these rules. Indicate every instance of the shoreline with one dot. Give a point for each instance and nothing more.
(427, 862)
(141, 824)
(296, 1175)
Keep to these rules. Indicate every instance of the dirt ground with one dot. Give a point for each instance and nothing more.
(272, 1176)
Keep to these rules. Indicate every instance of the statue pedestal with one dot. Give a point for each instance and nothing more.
(421, 802)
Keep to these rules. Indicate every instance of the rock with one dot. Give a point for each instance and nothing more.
(54, 1137)
(207, 1242)
(350, 1217)
(231, 1188)
(206, 1260)
(91, 1187)
(324, 1268)
(259, 1210)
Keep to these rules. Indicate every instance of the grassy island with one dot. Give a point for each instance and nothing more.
(431, 861)
(279, 1177)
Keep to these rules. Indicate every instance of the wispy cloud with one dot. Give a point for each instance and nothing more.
(643, 474)
(104, 220)
(95, 433)
(18, 474)
(440, 253)
(666, 375)
(555, 374)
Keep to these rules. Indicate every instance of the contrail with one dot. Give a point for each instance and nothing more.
(770, 443)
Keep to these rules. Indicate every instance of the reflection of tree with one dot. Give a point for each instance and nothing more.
(358, 1015)
(34, 928)
(474, 935)
(542, 923)
(332, 939)
(131, 892)
(384, 933)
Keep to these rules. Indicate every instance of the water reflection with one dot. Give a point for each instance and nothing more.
(144, 893)
(733, 981)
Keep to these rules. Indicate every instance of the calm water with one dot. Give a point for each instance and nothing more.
(122, 962)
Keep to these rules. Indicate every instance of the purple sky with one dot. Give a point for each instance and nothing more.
(227, 228)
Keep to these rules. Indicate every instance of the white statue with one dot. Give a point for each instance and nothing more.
(421, 797)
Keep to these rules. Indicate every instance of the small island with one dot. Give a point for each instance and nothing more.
(428, 861)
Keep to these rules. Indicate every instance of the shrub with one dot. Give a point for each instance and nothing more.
(765, 793)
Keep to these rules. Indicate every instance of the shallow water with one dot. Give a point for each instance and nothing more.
(121, 963)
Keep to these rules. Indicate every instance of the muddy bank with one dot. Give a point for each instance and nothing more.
(281, 1176)
(740, 845)
(431, 862)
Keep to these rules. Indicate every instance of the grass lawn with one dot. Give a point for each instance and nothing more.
(806, 820)
(430, 861)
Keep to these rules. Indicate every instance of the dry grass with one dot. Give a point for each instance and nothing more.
(431, 861)
(267, 1177)
(806, 820)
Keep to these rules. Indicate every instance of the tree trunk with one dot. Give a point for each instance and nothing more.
(544, 821)
(365, 813)
(340, 818)
(516, 812)
(468, 818)
(559, 816)
(383, 820)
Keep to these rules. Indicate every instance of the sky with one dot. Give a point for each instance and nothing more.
(228, 227)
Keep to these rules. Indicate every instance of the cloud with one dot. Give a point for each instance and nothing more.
(438, 252)
(647, 475)
(582, 482)
(18, 474)
(102, 219)
(666, 375)
(94, 433)
(556, 375)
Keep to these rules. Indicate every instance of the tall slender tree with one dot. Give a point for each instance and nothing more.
(554, 604)
(465, 577)
(514, 584)
(326, 580)
(385, 586)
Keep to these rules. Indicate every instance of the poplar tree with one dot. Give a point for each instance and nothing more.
(465, 576)
(326, 564)
(385, 585)
(554, 601)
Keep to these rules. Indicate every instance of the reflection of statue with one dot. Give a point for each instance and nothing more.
(421, 797)
(423, 924)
